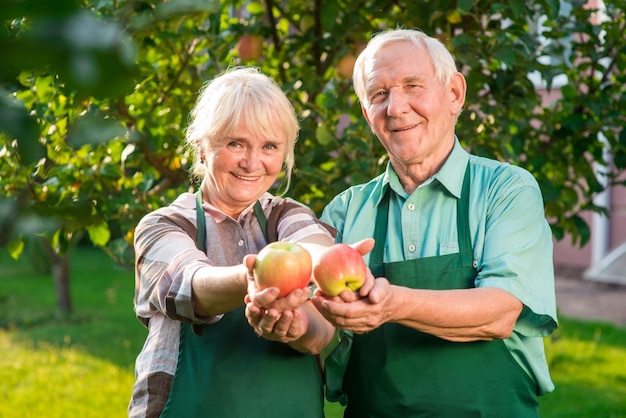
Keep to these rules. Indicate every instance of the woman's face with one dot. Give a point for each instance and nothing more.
(241, 168)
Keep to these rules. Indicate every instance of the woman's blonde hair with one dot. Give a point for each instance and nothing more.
(442, 60)
(241, 96)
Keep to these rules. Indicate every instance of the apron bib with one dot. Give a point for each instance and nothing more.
(225, 370)
(396, 371)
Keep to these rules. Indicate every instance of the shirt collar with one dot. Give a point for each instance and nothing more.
(450, 175)
(219, 216)
(383, 184)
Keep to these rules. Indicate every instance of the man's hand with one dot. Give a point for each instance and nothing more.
(356, 312)
(360, 311)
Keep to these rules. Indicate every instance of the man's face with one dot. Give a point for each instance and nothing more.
(410, 112)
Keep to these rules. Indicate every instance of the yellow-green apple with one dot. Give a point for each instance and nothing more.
(340, 267)
(285, 265)
(306, 23)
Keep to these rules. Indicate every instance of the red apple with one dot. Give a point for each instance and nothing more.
(285, 265)
(345, 66)
(250, 47)
(340, 267)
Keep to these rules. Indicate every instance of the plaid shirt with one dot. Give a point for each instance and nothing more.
(166, 260)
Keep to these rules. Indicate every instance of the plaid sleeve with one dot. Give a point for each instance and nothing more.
(166, 260)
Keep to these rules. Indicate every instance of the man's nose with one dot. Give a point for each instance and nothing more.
(397, 103)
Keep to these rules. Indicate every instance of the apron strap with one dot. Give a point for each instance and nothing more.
(200, 223)
(260, 216)
(462, 222)
(201, 233)
(380, 235)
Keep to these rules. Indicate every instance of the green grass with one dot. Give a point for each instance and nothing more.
(82, 366)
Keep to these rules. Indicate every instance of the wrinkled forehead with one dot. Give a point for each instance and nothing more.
(397, 59)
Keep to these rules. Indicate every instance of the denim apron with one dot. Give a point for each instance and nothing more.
(225, 370)
(396, 371)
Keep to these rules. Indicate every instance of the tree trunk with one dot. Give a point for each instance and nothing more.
(61, 276)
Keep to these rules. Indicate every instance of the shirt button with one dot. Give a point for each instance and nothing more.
(411, 206)
(411, 248)
(240, 243)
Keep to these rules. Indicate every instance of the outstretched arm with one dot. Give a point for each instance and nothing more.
(455, 315)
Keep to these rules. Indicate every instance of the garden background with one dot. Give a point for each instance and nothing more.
(94, 99)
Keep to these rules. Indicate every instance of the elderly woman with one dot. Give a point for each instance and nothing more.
(201, 357)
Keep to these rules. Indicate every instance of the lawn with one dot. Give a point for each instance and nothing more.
(82, 366)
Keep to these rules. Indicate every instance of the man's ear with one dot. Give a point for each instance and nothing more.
(364, 111)
(457, 88)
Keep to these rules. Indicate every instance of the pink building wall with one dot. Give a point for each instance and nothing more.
(566, 254)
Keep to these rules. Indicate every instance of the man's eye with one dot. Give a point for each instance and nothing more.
(378, 96)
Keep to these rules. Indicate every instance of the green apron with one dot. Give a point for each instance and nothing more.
(396, 371)
(225, 370)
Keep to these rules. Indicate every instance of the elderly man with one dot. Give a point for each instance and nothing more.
(453, 324)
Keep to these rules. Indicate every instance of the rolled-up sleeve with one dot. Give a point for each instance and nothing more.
(517, 251)
(166, 261)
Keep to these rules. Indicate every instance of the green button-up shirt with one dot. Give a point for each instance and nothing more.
(511, 238)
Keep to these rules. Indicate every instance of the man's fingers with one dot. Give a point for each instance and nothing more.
(364, 246)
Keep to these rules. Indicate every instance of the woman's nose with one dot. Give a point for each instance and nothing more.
(251, 160)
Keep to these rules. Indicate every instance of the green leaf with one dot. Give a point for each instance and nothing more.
(94, 129)
(622, 137)
(552, 8)
(16, 123)
(330, 11)
(557, 232)
(15, 248)
(255, 8)
(15, 9)
(99, 234)
(507, 56)
(323, 135)
(465, 5)
(582, 229)
(620, 158)
(518, 7)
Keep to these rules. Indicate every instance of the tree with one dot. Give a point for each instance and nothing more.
(93, 139)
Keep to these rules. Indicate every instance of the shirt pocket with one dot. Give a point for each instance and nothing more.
(448, 248)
